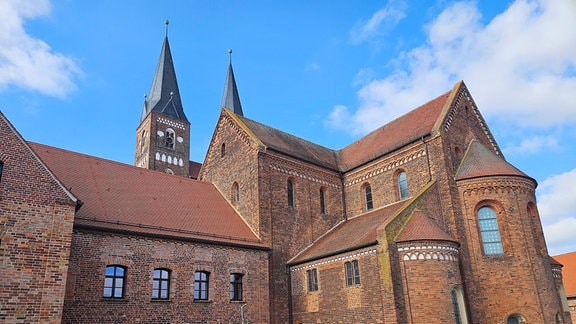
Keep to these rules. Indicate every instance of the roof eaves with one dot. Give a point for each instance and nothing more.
(234, 242)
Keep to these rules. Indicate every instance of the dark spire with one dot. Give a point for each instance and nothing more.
(164, 96)
(231, 99)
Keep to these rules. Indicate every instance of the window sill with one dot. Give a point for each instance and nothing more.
(238, 301)
(161, 301)
(203, 301)
(113, 300)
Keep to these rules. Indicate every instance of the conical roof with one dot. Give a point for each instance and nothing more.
(421, 228)
(164, 95)
(479, 161)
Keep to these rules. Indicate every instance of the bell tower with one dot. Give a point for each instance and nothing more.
(163, 135)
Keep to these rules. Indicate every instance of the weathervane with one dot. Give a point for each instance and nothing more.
(167, 22)
(230, 53)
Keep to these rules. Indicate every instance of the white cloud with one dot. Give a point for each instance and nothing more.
(385, 17)
(533, 145)
(27, 62)
(520, 66)
(557, 208)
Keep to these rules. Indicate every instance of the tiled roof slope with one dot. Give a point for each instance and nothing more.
(479, 161)
(118, 196)
(568, 260)
(291, 145)
(406, 129)
(399, 132)
(421, 227)
(351, 234)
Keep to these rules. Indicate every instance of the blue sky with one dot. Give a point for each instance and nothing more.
(73, 74)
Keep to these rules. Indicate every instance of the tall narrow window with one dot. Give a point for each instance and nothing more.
(352, 273)
(201, 285)
(161, 284)
(170, 138)
(458, 307)
(114, 281)
(1, 169)
(290, 189)
(235, 192)
(322, 201)
(223, 149)
(489, 232)
(402, 185)
(368, 197)
(236, 286)
(312, 280)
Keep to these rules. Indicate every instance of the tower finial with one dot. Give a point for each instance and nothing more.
(166, 22)
(230, 53)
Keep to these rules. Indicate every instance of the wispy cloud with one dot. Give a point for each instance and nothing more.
(28, 62)
(520, 66)
(557, 208)
(381, 20)
(533, 145)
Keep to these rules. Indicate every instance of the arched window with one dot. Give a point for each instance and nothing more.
(115, 276)
(489, 232)
(352, 273)
(236, 286)
(290, 193)
(368, 197)
(161, 284)
(322, 201)
(515, 319)
(235, 192)
(458, 306)
(223, 149)
(169, 138)
(402, 185)
(201, 285)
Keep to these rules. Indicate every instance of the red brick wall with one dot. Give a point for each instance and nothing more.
(36, 217)
(382, 175)
(146, 148)
(430, 271)
(238, 164)
(521, 269)
(335, 302)
(92, 252)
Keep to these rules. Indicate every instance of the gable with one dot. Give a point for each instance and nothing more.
(25, 177)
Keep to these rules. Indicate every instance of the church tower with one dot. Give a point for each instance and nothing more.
(163, 136)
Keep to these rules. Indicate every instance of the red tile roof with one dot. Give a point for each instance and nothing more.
(479, 161)
(121, 197)
(194, 169)
(568, 260)
(406, 129)
(421, 227)
(351, 234)
(292, 145)
(399, 132)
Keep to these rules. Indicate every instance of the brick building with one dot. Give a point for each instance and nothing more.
(420, 221)
(568, 275)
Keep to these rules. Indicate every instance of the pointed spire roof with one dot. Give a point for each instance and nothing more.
(479, 161)
(164, 95)
(231, 99)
